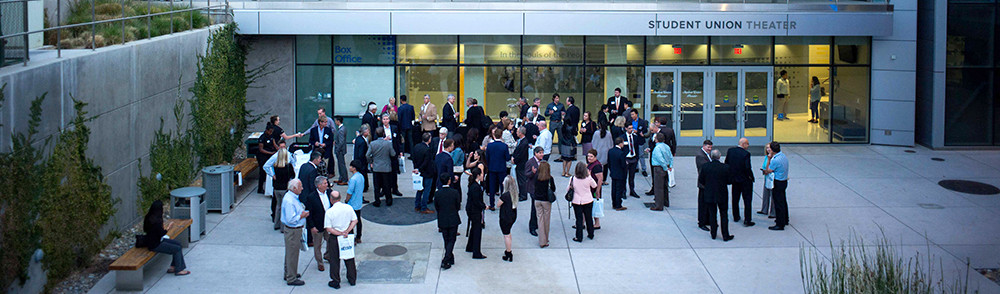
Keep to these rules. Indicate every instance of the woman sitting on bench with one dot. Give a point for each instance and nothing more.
(155, 231)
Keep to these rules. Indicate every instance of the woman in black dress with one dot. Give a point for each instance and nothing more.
(152, 224)
(587, 129)
(508, 213)
(474, 207)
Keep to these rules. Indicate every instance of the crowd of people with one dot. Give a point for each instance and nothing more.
(503, 160)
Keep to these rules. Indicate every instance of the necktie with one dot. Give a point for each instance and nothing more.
(441, 147)
(631, 146)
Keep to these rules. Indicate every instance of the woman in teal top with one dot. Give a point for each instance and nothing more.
(767, 207)
(458, 155)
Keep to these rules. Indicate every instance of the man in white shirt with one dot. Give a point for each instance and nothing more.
(781, 91)
(293, 217)
(339, 221)
(544, 140)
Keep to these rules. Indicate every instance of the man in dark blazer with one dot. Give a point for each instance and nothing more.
(668, 133)
(738, 160)
(475, 118)
(531, 173)
(308, 173)
(520, 160)
(361, 149)
(524, 107)
(322, 138)
(369, 118)
(700, 159)
(642, 130)
(317, 202)
(617, 104)
(445, 164)
(449, 202)
(423, 163)
(392, 134)
(405, 116)
(633, 148)
(617, 167)
(449, 117)
(714, 177)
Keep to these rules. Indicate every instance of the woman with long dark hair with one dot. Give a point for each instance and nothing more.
(587, 129)
(155, 230)
(474, 207)
(603, 140)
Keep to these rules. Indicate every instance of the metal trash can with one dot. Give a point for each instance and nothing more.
(219, 189)
(181, 208)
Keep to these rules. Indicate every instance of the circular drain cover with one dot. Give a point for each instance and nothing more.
(969, 187)
(401, 213)
(910, 151)
(937, 159)
(390, 250)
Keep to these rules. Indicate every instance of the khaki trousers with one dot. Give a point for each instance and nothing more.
(318, 238)
(293, 239)
(543, 209)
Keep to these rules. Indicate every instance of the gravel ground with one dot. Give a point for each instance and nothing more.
(991, 273)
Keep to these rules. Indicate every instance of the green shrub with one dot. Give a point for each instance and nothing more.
(171, 156)
(19, 200)
(110, 33)
(75, 202)
(218, 109)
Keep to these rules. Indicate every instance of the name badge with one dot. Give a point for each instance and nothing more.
(326, 136)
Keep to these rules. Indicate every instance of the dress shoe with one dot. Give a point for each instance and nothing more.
(365, 201)
(749, 224)
(479, 257)
(397, 193)
(591, 237)
(418, 210)
(298, 276)
(727, 238)
(342, 184)
(770, 217)
(388, 202)
(333, 284)
(445, 266)
(577, 240)
(713, 237)
(508, 256)
(522, 199)
(351, 283)
(776, 228)
(558, 160)
(543, 246)
(704, 228)
(533, 233)
(427, 211)
(650, 193)
(736, 219)
(645, 174)
(321, 268)
(377, 203)
(633, 194)
(761, 212)
(621, 208)
(655, 209)
(296, 282)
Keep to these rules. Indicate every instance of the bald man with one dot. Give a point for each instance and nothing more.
(738, 160)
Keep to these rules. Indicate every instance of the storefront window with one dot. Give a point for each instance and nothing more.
(615, 50)
(436, 81)
(968, 95)
(313, 89)
(553, 50)
(802, 50)
(495, 87)
(601, 82)
(676, 50)
(970, 35)
(543, 81)
(427, 49)
(358, 85)
(852, 50)
(851, 102)
(491, 49)
(312, 49)
(741, 50)
(797, 105)
(364, 49)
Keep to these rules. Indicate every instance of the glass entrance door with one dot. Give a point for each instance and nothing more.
(722, 104)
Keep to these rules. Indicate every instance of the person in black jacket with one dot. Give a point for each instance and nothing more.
(617, 168)
(153, 225)
(423, 163)
(405, 115)
(474, 207)
(369, 119)
(361, 150)
(520, 161)
(449, 115)
(738, 160)
(714, 177)
(474, 118)
(447, 218)
(321, 138)
(392, 134)
(317, 202)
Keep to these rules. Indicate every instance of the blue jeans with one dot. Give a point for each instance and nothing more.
(420, 202)
(172, 247)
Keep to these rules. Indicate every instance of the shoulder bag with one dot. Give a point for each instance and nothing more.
(569, 192)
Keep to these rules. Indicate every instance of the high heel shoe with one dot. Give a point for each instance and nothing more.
(508, 256)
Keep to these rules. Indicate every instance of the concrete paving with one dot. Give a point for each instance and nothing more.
(835, 193)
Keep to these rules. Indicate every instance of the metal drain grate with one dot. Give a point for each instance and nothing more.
(937, 159)
(910, 151)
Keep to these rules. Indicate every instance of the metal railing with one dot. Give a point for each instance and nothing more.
(209, 10)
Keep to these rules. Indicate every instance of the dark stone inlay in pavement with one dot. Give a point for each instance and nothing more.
(383, 271)
(930, 206)
(648, 204)
(937, 159)
(390, 250)
(401, 213)
(969, 187)
(910, 151)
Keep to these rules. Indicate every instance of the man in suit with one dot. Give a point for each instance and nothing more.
(340, 149)
(381, 156)
(714, 176)
(423, 163)
(531, 125)
(520, 159)
(617, 166)
(392, 135)
(641, 127)
(632, 150)
(405, 117)
(449, 202)
(361, 150)
(444, 163)
(449, 115)
(428, 115)
(668, 132)
(522, 104)
(617, 104)
(438, 142)
(475, 117)
(369, 118)
(531, 173)
(317, 202)
(308, 173)
(738, 160)
(496, 162)
(322, 138)
(700, 159)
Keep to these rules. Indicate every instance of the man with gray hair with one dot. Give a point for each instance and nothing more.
(449, 115)
(293, 217)
(428, 115)
(338, 222)
(370, 119)
(714, 177)
(317, 202)
(520, 160)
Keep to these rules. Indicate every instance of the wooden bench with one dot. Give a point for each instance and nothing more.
(246, 167)
(128, 267)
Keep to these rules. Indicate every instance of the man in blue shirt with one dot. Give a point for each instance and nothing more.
(355, 195)
(779, 166)
(555, 112)
(293, 217)
(662, 162)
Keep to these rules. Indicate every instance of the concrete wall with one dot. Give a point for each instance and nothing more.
(894, 79)
(129, 86)
(273, 94)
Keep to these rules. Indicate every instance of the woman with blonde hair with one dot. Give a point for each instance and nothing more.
(508, 213)
(618, 128)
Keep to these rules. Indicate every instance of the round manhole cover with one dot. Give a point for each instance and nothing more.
(969, 187)
(937, 159)
(390, 250)
(401, 213)
(910, 151)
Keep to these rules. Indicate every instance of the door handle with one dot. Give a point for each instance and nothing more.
(682, 116)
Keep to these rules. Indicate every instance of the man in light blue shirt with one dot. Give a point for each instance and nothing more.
(355, 195)
(779, 166)
(662, 161)
(293, 217)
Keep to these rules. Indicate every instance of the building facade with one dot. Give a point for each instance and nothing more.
(712, 69)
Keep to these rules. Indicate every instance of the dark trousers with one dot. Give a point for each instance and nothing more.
(333, 249)
(341, 168)
(420, 203)
(382, 187)
(357, 228)
(720, 209)
(475, 233)
(814, 106)
(449, 234)
(172, 247)
(605, 173)
(434, 183)
(365, 175)
(408, 140)
(660, 189)
(261, 175)
(617, 192)
(495, 180)
(702, 208)
(631, 168)
(394, 178)
(780, 203)
(584, 213)
(522, 182)
(533, 222)
(743, 190)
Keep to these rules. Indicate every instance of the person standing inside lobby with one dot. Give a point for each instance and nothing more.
(428, 115)
(781, 90)
(815, 93)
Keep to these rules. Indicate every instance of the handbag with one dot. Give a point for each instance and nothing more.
(598, 208)
(346, 245)
(569, 192)
(140, 241)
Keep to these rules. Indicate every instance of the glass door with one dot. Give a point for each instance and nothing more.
(690, 106)
(757, 90)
